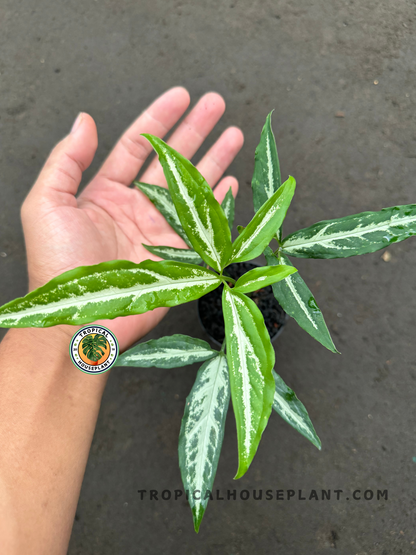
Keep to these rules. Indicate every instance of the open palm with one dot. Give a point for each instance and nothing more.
(110, 220)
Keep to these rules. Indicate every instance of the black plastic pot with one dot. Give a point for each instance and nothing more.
(210, 307)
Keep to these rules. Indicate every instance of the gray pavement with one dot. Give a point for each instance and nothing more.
(309, 60)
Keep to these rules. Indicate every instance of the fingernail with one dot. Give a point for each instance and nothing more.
(76, 123)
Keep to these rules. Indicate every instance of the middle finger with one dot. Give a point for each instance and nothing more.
(190, 134)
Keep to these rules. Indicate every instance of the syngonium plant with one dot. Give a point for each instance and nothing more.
(244, 367)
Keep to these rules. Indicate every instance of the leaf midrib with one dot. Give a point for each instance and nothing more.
(339, 235)
(209, 240)
(91, 296)
(172, 353)
(205, 421)
(245, 377)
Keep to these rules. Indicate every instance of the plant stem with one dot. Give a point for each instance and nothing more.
(228, 279)
(223, 346)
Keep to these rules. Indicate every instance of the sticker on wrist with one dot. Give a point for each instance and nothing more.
(94, 349)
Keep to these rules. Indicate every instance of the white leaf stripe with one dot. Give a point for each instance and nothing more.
(296, 299)
(270, 169)
(200, 213)
(247, 241)
(171, 351)
(357, 234)
(266, 176)
(161, 198)
(202, 433)
(168, 355)
(288, 406)
(172, 253)
(250, 360)
(228, 205)
(290, 283)
(108, 290)
(206, 232)
(259, 232)
(244, 350)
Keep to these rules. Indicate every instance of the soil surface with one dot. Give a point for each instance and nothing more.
(210, 306)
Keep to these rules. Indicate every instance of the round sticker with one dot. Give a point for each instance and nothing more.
(94, 349)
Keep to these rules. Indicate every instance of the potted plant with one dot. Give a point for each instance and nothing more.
(93, 347)
(243, 368)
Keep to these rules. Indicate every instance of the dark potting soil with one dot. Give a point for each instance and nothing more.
(210, 306)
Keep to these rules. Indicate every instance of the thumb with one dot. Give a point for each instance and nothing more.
(61, 175)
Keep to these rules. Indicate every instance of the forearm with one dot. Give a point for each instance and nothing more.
(48, 412)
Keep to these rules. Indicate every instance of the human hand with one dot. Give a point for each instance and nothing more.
(109, 220)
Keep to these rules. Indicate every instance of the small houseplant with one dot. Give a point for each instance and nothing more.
(244, 367)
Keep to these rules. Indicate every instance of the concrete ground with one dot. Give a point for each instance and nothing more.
(309, 60)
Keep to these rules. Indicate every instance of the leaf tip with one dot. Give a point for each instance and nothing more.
(153, 140)
(197, 518)
(269, 117)
(242, 469)
(292, 181)
(332, 348)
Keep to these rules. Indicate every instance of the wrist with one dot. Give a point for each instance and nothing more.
(44, 364)
(53, 342)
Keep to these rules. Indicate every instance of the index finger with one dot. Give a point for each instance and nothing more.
(127, 157)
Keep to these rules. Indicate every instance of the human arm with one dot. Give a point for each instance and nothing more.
(48, 408)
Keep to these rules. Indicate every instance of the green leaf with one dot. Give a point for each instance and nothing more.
(172, 253)
(202, 433)
(228, 205)
(296, 299)
(261, 277)
(108, 290)
(161, 198)
(288, 406)
(358, 234)
(250, 358)
(266, 177)
(240, 229)
(167, 352)
(263, 227)
(200, 213)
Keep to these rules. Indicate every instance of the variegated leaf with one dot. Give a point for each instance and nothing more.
(172, 253)
(263, 227)
(296, 299)
(161, 198)
(200, 214)
(228, 205)
(261, 277)
(288, 406)
(358, 234)
(266, 177)
(202, 433)
(250, 358)
(171, 351)
(108, 290)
